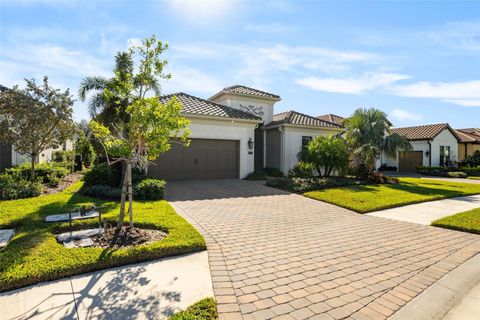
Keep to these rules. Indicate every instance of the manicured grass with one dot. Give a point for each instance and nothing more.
(464, 221)
(34, 255)
(474, 178)
(205, 309)
(367, 198)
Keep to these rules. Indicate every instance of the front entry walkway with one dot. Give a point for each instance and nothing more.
(279, 255)
(427, 212)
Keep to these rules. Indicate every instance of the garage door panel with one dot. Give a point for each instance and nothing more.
(203, 159)
(409, 160)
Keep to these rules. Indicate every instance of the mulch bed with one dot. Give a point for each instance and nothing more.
(128, 237)
(66, 182)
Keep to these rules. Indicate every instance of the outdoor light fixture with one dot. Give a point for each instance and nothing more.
(427, 153)
(250, 144)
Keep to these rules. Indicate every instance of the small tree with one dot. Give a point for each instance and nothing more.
(35, 118)
(84, 148)
(329, 153)
(152, 128)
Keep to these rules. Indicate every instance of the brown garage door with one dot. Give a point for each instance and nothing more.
(203, 159)
(410, 160)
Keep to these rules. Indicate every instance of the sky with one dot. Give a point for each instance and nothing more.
(418, 61)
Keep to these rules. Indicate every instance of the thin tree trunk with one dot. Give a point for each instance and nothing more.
(32, 169)
(122, 211)
(130, 193)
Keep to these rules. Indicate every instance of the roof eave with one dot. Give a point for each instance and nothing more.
(221, 93)
(206, 117)
(289, 125)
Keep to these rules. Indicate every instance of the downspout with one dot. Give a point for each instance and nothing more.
(282, 154)
(430, 153)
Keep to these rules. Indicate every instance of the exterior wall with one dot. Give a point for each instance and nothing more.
(446, 138)
(45, 156)
(273, 148)
(471, 148)
(228, 130)
(240, 102)
(292, 143)
(5, 156)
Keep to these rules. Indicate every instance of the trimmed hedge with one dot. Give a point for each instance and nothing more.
(257, 175)
(471, 171)
(449, 172)
(43, 171)
(301, 185)
(205, 309)
(149, 189)
(14, 187)
(273, 172)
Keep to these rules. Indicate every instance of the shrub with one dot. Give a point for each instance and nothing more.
(15, 187)
(149, 189)
(302, 170)
(471, 171)
(273, 172)
(102, 174)
(205, 309)
(378, 178)
(257, 175)
(102, 192)
(279, 183)
(302, 185)
(43, 171)
(327, 153)
(85, 148)
(53, 182)
(471, 161)
(64, 159)
(385, 167)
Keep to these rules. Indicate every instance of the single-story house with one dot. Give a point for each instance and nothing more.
(235, 132)
(433, 145)
(469, 142)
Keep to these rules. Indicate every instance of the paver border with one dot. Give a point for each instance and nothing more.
(439, 298)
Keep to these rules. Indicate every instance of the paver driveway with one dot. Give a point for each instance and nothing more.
(279, 255)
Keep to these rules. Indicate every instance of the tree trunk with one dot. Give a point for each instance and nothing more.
(130, 193)
(32, 169)
(319, 171)
(122, 210)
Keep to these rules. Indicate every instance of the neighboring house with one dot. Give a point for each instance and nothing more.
(332, 118)
(469, 142)
(9, 157)
(433, 145)
(236, 132)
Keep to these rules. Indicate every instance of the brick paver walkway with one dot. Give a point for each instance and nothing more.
(279, 255)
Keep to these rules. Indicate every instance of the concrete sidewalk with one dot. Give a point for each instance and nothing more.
(468, 308)
(150, 290)
(427, 212)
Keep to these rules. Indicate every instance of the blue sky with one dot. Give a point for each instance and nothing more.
(417, 61)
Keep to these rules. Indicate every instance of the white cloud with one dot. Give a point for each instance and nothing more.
(463, 36)
(269, 28)
(204, 12)
(357, 85)
(466, 93)
(403, 115)
(191, 80)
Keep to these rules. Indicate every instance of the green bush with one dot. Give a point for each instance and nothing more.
(301, 185)
(205, 309)
(102, 192)
(64, 159)
(279, 183)
(43, 171)
(53, 182)
(257, 175)
(471, 171)
(149, 189)
(102, 174)
(456, 174)
(302, 170)
(273, 172)
(85, 148)
(15, 187)
(423, 169)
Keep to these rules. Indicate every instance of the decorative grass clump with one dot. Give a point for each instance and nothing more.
(367, 198)
(34, 255)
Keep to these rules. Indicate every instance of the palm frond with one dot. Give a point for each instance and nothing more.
(91, 84)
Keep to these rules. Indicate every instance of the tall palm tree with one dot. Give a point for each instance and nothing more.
(368, 135)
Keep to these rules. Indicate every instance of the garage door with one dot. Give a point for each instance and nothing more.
(203, 159)
(410, 160)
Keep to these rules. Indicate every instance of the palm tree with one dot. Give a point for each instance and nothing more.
(368, 135)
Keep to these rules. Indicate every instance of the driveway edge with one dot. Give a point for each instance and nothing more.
(437, 300)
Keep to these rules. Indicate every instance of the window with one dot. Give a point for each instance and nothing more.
(444, 155)
(306, 140)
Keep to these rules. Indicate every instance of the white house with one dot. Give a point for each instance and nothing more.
(433, 145)
(235, 132)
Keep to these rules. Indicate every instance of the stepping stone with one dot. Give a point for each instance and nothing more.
(82, 243)
(79, 234)
(75, 216)
(5, 236)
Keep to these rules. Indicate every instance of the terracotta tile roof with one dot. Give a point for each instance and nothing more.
(332, 118)
(425, 132)
(469, 135)
(299, 119)
(197, 106)
(247, 91)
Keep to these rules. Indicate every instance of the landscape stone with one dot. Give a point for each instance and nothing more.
(79, 234)
(5, 236)
(75, 216)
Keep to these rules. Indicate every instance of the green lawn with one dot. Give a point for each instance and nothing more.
(474, 178)
(34, 255)
(464, 221)
(367, 198)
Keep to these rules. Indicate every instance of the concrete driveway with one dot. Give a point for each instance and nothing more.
(279, 255)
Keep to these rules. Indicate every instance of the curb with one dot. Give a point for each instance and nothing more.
(437, 300)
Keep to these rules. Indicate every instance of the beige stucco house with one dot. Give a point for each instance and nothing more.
(469, 142)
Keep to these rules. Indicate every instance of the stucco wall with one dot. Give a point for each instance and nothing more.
(292, 143)
(237, 102)
(471, 148)
(445, 138)
(45, 155)
(227, 130)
